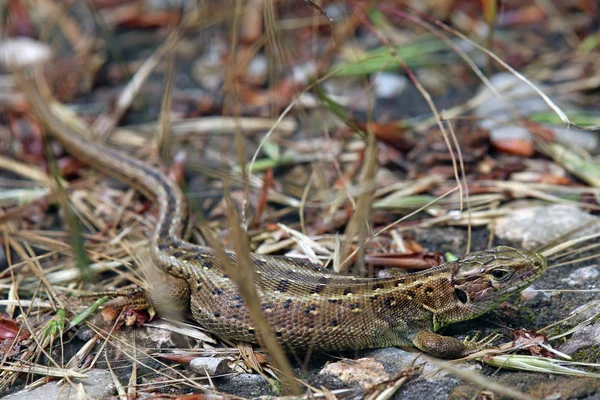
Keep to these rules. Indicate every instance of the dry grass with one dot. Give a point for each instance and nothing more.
(95, 242)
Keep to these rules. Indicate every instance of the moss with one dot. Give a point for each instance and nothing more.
(589, 355)
(276, 388)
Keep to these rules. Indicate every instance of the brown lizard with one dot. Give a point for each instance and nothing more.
(306, 305)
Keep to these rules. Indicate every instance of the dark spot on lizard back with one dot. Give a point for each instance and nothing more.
(279, 334)
(191, 256)
(418, 285)
(311, 309)
(287, 304)
(323, 280)
(389, 301)
(317, 289)
(429, 290)
(333, 322)
(333, 301)
(378, 286)
(400, 282)
(178, 253)
(217, 291)
(251, 331)
(217, 314)
(410, 294)
(354, 306)
(283, 286)
(347, 291)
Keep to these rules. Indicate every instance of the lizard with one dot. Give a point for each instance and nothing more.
(306, 305)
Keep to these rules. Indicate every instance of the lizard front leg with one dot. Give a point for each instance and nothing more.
(448, 347)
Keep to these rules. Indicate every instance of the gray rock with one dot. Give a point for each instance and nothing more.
(586, 336)
(97, 385)
(429, 390)
(366, 372)
(244, 385)
(582, 275)
(532, 227)
(395, 360)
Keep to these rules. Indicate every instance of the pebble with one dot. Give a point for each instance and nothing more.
(210, 366)
(365, 371)
(528, 295)
(19, 51)
(388, 85)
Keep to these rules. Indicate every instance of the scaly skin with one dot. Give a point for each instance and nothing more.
(306, 305)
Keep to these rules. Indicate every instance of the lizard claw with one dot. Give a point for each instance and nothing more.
(474, 344)
(473, 339)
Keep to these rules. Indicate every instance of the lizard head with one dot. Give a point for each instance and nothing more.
(484, 279)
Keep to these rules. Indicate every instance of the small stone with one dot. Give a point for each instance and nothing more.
(210, 366)
(22, 51)
(528, 295)
(388, 85)
(365, 371)
(257, 70)
(302, 73)
(207, 69)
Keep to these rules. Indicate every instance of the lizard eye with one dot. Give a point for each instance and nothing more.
(500, 274)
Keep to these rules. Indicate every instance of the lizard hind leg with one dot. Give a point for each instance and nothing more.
(170, 296)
